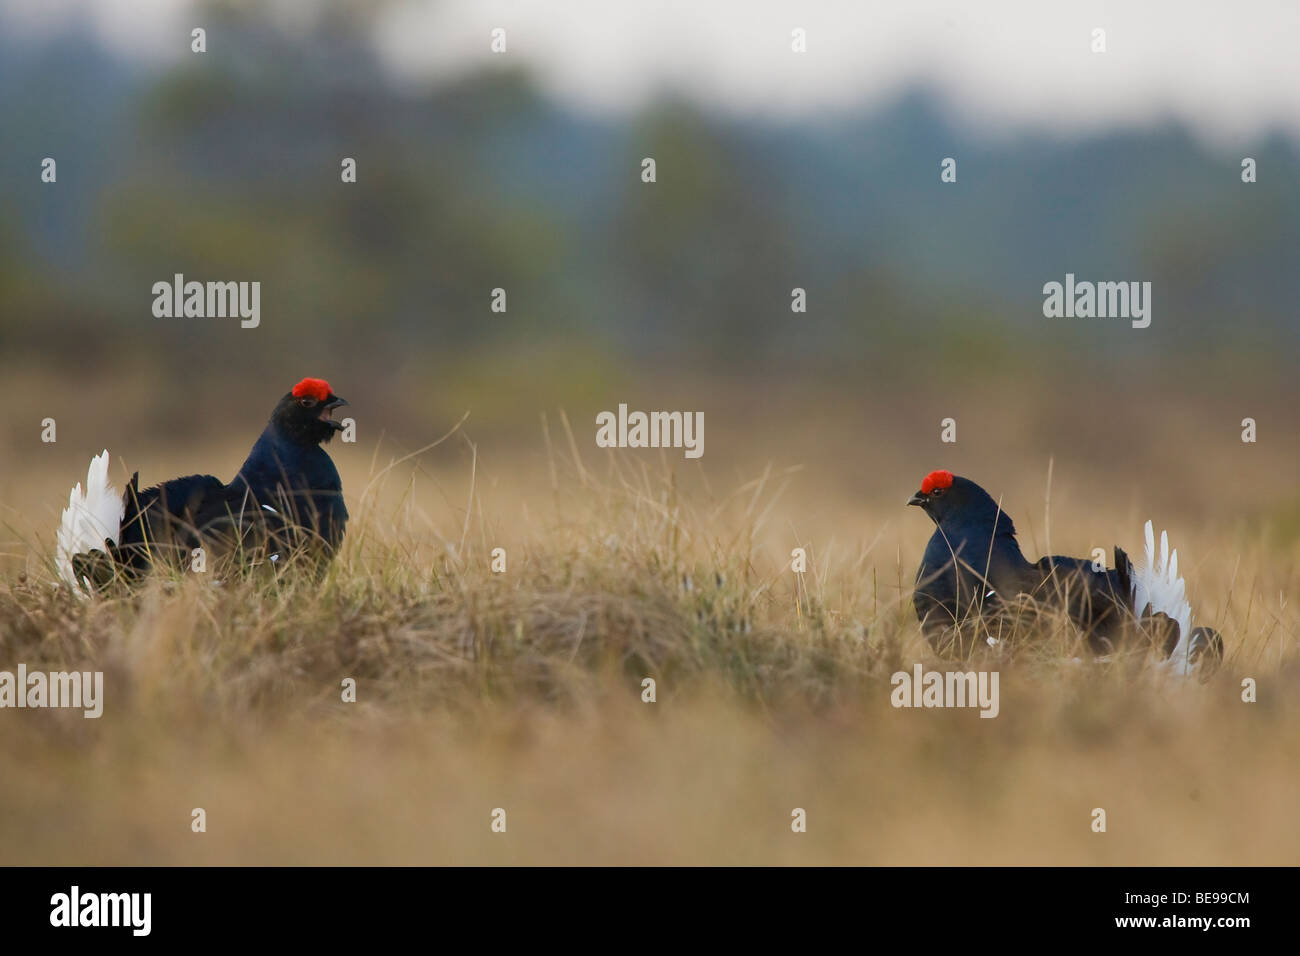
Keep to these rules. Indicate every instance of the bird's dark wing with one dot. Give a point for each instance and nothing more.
(1097, 601)
(164, 520)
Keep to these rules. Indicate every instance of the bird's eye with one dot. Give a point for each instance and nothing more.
(307, 402)
(936, 493)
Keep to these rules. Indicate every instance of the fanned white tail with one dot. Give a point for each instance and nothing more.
(1157, 588)
(91, 516)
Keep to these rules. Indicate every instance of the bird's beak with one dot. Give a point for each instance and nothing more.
(328, 408)
(916, 499)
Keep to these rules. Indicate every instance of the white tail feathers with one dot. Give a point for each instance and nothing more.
(91, 516)
(1157, 588)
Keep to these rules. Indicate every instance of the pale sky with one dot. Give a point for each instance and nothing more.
(1228, 69)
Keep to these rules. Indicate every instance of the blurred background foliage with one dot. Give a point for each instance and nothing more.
(227, 166)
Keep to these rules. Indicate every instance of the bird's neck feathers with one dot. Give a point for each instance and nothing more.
(993, 523)
(303, 434)
(978, 513)
(275, 456)
(978, 532)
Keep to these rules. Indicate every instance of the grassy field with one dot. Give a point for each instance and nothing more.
(523, 690)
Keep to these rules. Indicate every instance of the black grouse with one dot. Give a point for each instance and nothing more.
(973, 569)
(287, 495)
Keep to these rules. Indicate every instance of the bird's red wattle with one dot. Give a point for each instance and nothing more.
(316, 388)
(936, 479)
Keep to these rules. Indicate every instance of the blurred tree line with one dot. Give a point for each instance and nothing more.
(228, 167)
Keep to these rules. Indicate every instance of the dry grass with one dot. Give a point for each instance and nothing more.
(522, 690)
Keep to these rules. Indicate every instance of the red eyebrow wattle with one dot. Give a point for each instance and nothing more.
(936, 479)
(316, 388)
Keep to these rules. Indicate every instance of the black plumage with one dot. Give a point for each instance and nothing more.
(286, 497)
(973, 569)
